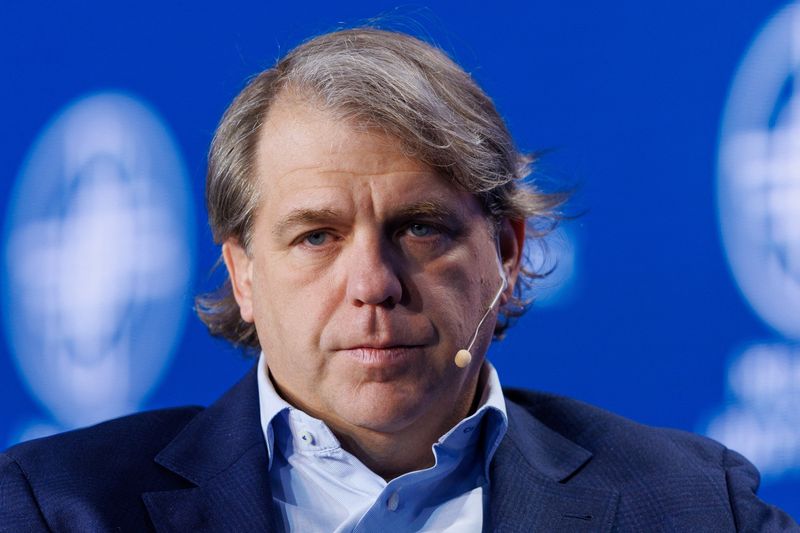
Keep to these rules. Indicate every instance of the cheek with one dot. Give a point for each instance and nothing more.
(466, 275)
(290, 306)
(454, 293)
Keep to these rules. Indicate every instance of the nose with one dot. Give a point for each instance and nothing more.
(373, 275)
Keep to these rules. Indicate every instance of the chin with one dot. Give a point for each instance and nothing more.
(384, 411)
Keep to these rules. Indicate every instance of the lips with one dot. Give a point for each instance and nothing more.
(381, 342)
(383, 354)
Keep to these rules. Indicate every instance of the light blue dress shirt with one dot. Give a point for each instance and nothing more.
(320, 487)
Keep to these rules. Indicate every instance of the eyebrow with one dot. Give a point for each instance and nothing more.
(305, 217)
(427, 210)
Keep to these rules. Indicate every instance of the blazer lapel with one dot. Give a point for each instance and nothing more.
(222, 452)
(535, 482)
(535, 476)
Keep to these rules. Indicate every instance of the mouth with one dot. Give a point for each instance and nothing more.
(381, 355)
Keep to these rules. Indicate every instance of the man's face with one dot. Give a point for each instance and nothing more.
(367, 272)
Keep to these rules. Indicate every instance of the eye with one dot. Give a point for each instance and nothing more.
(421, 230)
(317, 238)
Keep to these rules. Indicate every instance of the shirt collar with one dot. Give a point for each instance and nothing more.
(491, 407)
(270, 405)
(486, 427)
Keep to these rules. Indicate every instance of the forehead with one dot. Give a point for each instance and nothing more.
(307, 155)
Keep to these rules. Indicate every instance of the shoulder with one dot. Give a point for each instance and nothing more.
(625, 454)
(665, 471)
(91, 468)
(138, 435)
(606, 434)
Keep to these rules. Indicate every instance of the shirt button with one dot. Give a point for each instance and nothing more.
(468, 429)
(307, 437)
(393, 501)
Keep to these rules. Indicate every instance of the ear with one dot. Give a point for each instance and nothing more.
(511, 239)
(240, 271)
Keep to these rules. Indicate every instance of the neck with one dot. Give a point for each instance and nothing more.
(387, 455)
(392, 453)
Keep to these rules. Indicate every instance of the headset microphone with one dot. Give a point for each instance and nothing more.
(464, 357)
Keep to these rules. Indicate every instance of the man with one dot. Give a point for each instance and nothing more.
(372, 215)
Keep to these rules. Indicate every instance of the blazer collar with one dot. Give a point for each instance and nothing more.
(223, 453)
(535, 475)
(536, 485)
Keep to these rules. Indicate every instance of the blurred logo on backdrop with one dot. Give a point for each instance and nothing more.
(98, 260)
(759, 214)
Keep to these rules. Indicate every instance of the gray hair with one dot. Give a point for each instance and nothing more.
(395, 83)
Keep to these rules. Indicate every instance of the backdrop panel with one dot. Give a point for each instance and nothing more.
(676, 300)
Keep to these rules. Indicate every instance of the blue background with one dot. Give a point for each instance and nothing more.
(629, 95)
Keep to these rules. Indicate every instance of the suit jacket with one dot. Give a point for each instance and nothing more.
(563, 466)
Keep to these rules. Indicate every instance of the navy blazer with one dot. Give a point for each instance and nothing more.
(563, 466)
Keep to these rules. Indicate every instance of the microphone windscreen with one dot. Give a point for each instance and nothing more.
(463, 358)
